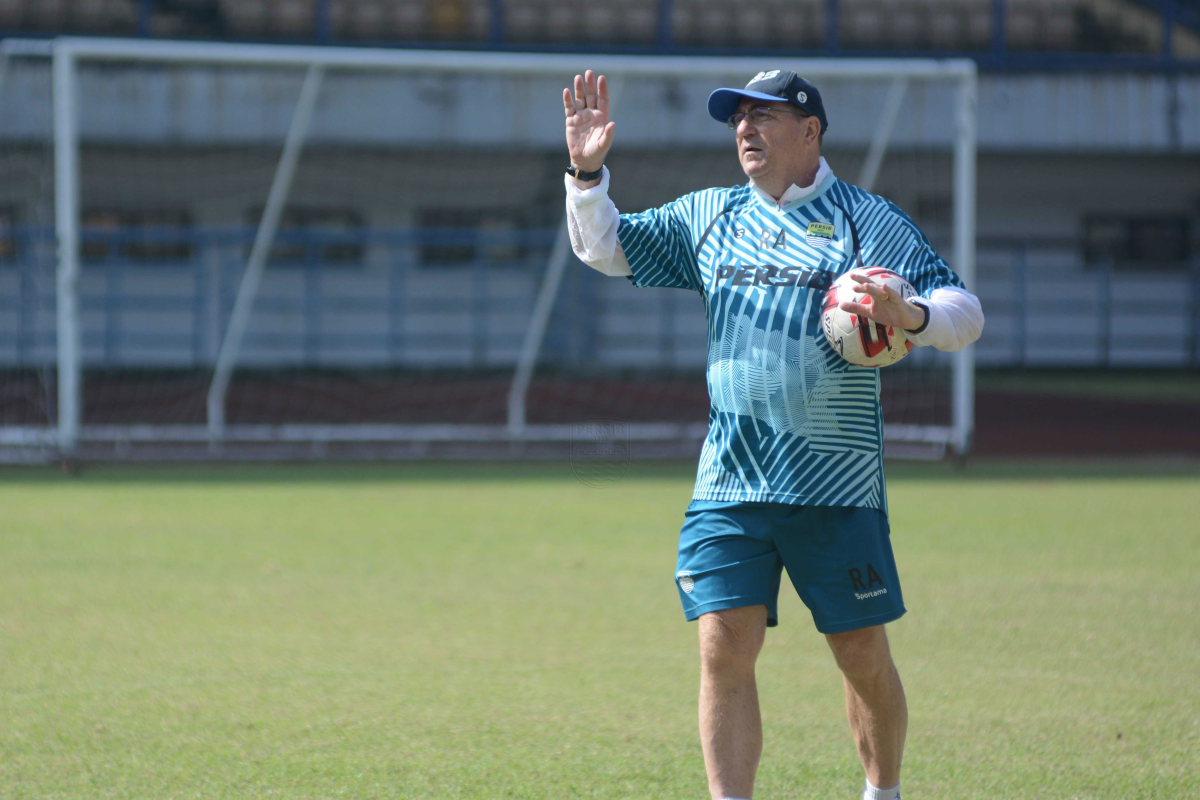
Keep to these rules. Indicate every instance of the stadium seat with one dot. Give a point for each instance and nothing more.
(907, 26)
(638, 22)
(12, 14)
(49, 14)
(798, 24)
(714, 23)
(562, 20)
(1059, 31)
(948, 25)
(88, 15)
(752, 27)
(1022, 26)
(522, 21)
(366, 21)
(979, 26)
(599, 23)
(862, 24)
(245, 17)
(478, 20)
(292, 18)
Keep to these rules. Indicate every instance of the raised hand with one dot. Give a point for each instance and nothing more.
(589, 131)
(883, 306)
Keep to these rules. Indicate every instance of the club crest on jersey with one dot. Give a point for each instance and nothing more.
(819, 234)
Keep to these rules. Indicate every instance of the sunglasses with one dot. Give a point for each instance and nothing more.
(759, 115)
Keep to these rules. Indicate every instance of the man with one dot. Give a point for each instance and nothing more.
(791, 473)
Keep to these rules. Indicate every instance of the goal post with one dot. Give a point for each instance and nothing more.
(306, 74)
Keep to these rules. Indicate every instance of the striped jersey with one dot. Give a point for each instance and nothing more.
(790, 420)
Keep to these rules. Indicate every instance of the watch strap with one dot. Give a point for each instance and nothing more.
(920, 328)
(579, 175)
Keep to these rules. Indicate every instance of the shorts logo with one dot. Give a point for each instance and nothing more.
(686, 582)
(819, 234)
(866, 591)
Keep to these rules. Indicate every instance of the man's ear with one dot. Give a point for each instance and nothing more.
(813, 131)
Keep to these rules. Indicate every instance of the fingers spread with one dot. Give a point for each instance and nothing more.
(855, 308)
(874, 290)
(580, 93)
(606, 138)
(602, 93)
(568, 103)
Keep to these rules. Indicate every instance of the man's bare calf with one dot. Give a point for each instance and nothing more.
(730, 722)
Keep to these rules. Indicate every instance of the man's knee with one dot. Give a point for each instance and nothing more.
(862, 653)
(731, 639)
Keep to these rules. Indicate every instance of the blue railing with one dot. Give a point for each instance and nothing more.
(1105, 52)
(1046, 303)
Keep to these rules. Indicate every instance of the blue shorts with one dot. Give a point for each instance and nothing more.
(839, 559)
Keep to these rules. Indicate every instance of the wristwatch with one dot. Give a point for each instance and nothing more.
(579, 175)
(920, 328)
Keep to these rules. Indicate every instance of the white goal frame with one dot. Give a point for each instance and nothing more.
(67, 53)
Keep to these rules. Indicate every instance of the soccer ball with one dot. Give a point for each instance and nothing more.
(857, 339)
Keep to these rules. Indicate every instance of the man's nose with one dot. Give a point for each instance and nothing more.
(746, 127)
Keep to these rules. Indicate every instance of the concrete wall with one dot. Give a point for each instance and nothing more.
(1045, 112)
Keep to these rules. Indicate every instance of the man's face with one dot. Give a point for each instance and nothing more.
(778, 145)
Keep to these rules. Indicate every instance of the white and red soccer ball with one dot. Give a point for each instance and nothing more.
(855, 338)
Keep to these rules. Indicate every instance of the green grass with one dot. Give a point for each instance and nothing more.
(453, 631)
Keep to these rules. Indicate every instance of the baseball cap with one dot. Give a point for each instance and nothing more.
(772, 85)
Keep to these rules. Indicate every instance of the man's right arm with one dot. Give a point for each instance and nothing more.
(592, 221)
(659, 239)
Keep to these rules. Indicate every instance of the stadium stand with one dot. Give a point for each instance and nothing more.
(1061, 26)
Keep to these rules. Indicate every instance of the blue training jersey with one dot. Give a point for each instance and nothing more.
(790, 420)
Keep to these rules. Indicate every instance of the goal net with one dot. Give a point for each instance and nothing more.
(217, 250)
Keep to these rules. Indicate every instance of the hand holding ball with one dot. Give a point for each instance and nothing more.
(865, 314)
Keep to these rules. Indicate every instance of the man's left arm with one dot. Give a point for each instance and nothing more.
(953, 316)
(953, 319)
(943, 315)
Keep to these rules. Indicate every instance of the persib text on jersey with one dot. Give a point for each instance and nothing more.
(767, 275)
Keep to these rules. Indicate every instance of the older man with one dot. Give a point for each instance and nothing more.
(791, 473)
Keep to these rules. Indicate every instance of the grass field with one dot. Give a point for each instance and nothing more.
(474, 631)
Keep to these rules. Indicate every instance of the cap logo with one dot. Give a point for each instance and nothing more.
(764, 76)
(802, 97)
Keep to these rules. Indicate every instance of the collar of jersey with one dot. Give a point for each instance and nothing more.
(796, 195)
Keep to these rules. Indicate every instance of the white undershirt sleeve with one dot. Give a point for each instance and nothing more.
(955, 319)
(592, 222)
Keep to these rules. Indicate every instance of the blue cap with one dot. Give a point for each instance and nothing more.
(773, 85)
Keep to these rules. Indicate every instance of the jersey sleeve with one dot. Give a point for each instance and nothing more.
(660, 246)
(892, 240)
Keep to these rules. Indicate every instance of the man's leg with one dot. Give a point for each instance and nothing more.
(874, 701)
(730, 725)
